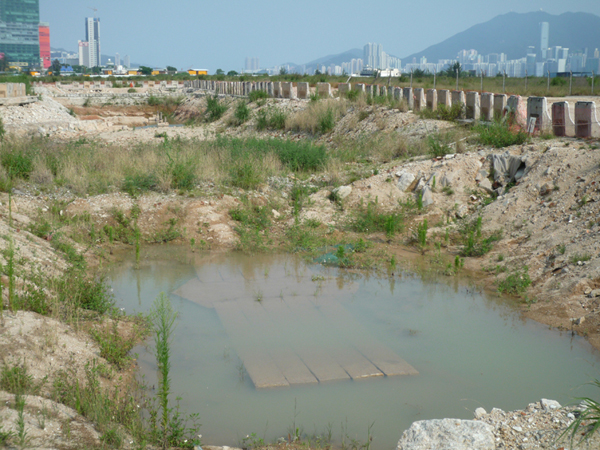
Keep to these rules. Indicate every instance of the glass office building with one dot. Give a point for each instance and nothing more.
(19, 32)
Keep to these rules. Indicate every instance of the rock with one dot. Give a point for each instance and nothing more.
(275, 213)
(447, 179)
(427, 196)
(549, 405)
(406, 179)
(587, 291)
(342, 192)
(482, 174)
(448, 434)
(578, 321)
(545, 189)
(486, 185)
(462, 211)
(479, 413)
(594, 293)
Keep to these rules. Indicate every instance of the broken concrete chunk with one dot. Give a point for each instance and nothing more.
(595, 293)
(427, 196)
(454, 434)
(481, 175)
(447, 179)
(405, 181)
(486, 185)
(548, 405)
(342, 192)
(462, 211)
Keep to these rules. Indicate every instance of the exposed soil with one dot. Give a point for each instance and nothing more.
(549, 220)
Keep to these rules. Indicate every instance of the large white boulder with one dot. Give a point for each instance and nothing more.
(448, 434)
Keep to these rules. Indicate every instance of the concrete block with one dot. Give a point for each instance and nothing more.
(360, 87)
(303, 90)
(398, 93)
(473, 105)
(407, 95)
(499, 106)
(538, 107)
(562, 124)
(369, 90)
(458, 98)
(586, 122)
(383, 91)
(444, 98)
(419, 99)
(431, 99)
(487, 106)
(277, 89)
(270, 89)
(344, 88)
(288, 90)
(517, 110)
(324, 90)
(375, 90)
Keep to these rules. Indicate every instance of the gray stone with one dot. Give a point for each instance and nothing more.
(427, 196)
(549, 405)
(595, 293)
(486, 185)
(406, 179)
(479, 413)
(342, 192)
(448, 434)
(545, 189)
(447, 179)
(481, 175)
(462, 211)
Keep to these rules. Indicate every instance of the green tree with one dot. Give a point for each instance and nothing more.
(146, 70)
(282, 71)
(171, 69)
(96, 70)
(220, 72)
(232, 73)
(451, 71)
(55, 67)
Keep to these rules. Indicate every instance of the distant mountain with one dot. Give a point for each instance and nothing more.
(338, 59)
(512, 33)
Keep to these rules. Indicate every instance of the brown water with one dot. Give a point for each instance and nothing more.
(235, 310)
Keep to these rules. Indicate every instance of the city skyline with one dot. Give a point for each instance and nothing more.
(158, 36)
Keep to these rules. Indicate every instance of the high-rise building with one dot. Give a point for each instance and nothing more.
(117, 60)
(92, 36)
(19, 32)
(84, 53)
(44, 31)
(127, 61)
(545, 38)
(252, 65)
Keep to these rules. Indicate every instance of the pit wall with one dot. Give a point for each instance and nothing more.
(533, 113)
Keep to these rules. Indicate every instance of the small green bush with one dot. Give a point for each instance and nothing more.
(499, 135)
(140, 182)
(242, 112)
(516, 283)
(214, 108)
(18, 164)
(257, 95)
(370, 220)
(327, 121)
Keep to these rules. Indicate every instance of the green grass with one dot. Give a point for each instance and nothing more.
(242, 112)
(516, 282)
(370, 219)
(583, 257)
(474, 244)
(499, 135)
(587, 420)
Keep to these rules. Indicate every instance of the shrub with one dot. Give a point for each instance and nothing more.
(587, 418)
(214, 108)
(257, 95)
(326, 121)
(138, 183)
(2, 130)
(302, 156)
(18, 163)
(370, 219)
(516, 282)
(242, 112)
(499, 135)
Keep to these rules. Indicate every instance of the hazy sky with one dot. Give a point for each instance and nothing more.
(221, 34)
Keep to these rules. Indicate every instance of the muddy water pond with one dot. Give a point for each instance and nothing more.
(266, 343)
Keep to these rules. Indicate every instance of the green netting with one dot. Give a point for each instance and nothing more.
(331, 258)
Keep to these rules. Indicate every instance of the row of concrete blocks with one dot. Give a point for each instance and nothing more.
(488, 106)
(275, 89)
(12, 90)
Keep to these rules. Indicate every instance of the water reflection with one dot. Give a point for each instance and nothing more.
(471, 349)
